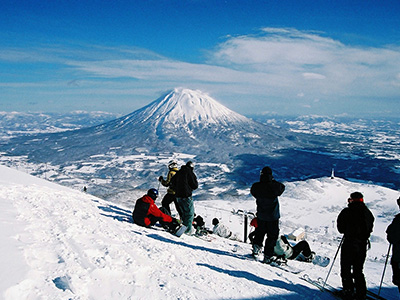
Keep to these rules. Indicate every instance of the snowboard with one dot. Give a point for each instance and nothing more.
(181, 230)
(318, 260)
(207, 237)
(286, 267)
(276, 264)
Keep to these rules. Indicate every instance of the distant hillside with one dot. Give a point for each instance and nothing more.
(182, 120)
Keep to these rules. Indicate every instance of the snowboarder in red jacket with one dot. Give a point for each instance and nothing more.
(146, 213)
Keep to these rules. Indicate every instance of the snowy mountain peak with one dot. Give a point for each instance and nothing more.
(185, 106)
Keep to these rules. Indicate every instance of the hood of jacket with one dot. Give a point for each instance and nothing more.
(266, 177)
(147, 199)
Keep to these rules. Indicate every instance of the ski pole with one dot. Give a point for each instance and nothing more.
(245, 227)
(384, 269)
(334, 259)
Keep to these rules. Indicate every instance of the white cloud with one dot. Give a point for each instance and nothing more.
(271, 66)
(313, 76)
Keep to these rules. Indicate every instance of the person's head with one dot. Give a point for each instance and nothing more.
(172, 164)
(152, 193)
(266, 174)
(190, 164)
(215, 221)
(266, 171)
(356, 197)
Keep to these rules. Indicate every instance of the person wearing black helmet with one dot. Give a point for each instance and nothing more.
(170, 195)
(355, 222)
(184, 183)
(393, 237)
(146, 213)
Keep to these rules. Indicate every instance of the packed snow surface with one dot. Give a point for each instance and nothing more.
(59, 243)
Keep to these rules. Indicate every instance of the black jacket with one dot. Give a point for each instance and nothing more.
(393, 237)
(266, 192)
(184, 182)
(356, 222)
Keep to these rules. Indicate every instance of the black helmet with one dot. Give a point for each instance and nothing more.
(153, 193)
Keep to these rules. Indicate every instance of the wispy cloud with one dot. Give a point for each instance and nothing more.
(275, 63)
(297, 55)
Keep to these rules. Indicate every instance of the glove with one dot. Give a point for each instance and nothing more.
(175, 222)
(173, 226)
(160, 178)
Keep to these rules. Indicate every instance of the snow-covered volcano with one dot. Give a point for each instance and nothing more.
(182, 120)
(183, 107)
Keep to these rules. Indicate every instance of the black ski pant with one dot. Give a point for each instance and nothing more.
(352, 260)
(167, 200)
(251, 236)
(301, 247)
(271, 229)
(396, 273)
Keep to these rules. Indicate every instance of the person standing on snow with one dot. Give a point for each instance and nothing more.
(170, 195)
(266, 192)
(184, 183)
(146, 213)
(355, 222)
(393, 237)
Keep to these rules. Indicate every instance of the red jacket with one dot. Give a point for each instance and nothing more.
(144, 208)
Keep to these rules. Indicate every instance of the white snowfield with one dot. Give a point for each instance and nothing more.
(59, 243)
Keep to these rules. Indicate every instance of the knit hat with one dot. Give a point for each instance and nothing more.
(266, 171)
(357, 197)
(215, 221)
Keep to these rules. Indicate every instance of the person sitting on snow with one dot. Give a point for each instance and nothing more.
(284, 250)
(199, 225)
(222, 230)
(146, 213)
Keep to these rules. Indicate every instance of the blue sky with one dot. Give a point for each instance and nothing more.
(283, 57)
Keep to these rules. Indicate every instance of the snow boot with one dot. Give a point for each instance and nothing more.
(310, 257)
(267, 260)
(256, 250)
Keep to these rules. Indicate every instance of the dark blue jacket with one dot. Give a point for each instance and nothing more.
(356, 222)
(266, 192)
(393, 237)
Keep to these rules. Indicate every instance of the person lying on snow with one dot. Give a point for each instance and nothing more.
(284, 250)
(146, 213)
(223, 231)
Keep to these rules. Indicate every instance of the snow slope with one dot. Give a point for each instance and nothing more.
(58, 243)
